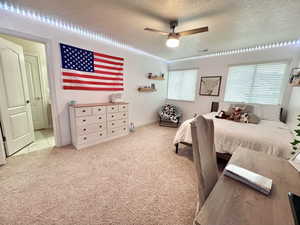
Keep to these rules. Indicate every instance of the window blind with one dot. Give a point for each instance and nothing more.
(259, 83)
(182, 85)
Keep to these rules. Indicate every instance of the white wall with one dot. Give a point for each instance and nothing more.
(218, 66)
(143, 106)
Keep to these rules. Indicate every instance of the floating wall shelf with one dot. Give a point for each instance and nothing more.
(147, 89)
(157, 78)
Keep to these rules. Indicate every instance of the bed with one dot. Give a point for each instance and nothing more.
(269, 136)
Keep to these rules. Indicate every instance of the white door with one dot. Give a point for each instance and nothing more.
(15, 110)
(35, 91)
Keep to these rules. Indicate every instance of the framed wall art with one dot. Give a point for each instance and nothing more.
(210, 86)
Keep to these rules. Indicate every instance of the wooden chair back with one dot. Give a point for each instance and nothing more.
(204, 155)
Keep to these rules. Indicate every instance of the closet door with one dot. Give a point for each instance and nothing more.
(15, 107)
(35, 91)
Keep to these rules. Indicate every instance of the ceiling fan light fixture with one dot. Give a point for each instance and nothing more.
(172, 41)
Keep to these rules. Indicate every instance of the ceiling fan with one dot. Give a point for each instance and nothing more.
(173, 37)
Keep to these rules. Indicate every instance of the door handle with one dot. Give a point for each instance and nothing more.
(27, 101)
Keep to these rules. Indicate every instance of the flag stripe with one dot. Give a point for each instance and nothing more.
(91, 88)
(108, 67)
(91, 82)
(91, 76)
(107, 61)
(108, 72)
(108, 56)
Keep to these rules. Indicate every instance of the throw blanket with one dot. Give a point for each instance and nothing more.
(168, 112)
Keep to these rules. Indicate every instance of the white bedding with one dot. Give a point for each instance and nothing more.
(271, 137)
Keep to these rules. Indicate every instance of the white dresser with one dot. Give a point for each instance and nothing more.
(95, 123)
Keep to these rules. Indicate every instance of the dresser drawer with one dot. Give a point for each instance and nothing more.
(117, 130)
(84, 139)
(123, 108)
(83, 111)
(123, 122)
(113, 123)
(80, 121)
(100, 134)
(112, 108)
(90, 128)
(100, 118)
(99, 110)
(101, 126)
(113, 116)
(116, 123)
(123, 115)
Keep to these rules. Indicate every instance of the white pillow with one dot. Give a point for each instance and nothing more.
(271, 112)
(267, 112)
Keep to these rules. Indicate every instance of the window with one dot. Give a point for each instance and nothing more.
(260, 83)
(182, 85)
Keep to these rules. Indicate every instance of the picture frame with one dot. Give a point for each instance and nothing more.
(210, 85)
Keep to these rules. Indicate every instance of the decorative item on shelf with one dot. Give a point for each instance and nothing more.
(153, 86)
(116, 98)
(295, 77)
(155, 77)
(146, 89)
(210, 86)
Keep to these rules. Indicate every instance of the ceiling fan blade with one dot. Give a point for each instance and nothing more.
(158, 31)
(193, 31)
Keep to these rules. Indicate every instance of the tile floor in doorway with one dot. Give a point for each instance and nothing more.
(44, 139)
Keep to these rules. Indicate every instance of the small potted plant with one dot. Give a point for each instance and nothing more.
(296, 142)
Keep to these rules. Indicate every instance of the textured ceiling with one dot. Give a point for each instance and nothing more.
(232, 23)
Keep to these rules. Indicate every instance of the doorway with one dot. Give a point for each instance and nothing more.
(25, 105)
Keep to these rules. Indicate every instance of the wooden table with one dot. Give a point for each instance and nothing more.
(233, 203)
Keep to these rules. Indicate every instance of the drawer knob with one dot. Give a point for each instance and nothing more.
(84, 129)
(83, 120)
(100, 126)
(112, 116)
(100, 134)
(100, 118)
(99, 109)
(112, 124)
(124, 128)
(112, 108)
(113, 131)
(124, 114)
(83, 110)
(84, 138)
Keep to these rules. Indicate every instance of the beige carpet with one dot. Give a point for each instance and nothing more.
(137, 180)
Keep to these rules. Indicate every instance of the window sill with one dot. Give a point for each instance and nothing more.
(178, 100)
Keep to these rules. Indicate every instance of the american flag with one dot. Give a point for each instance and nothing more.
(87, 70)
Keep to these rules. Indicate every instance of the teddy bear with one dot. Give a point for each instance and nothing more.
(245, 118)
(236, 114)
(222, 115)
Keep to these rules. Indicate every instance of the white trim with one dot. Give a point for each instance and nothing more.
(2, 151)
(50, 70)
